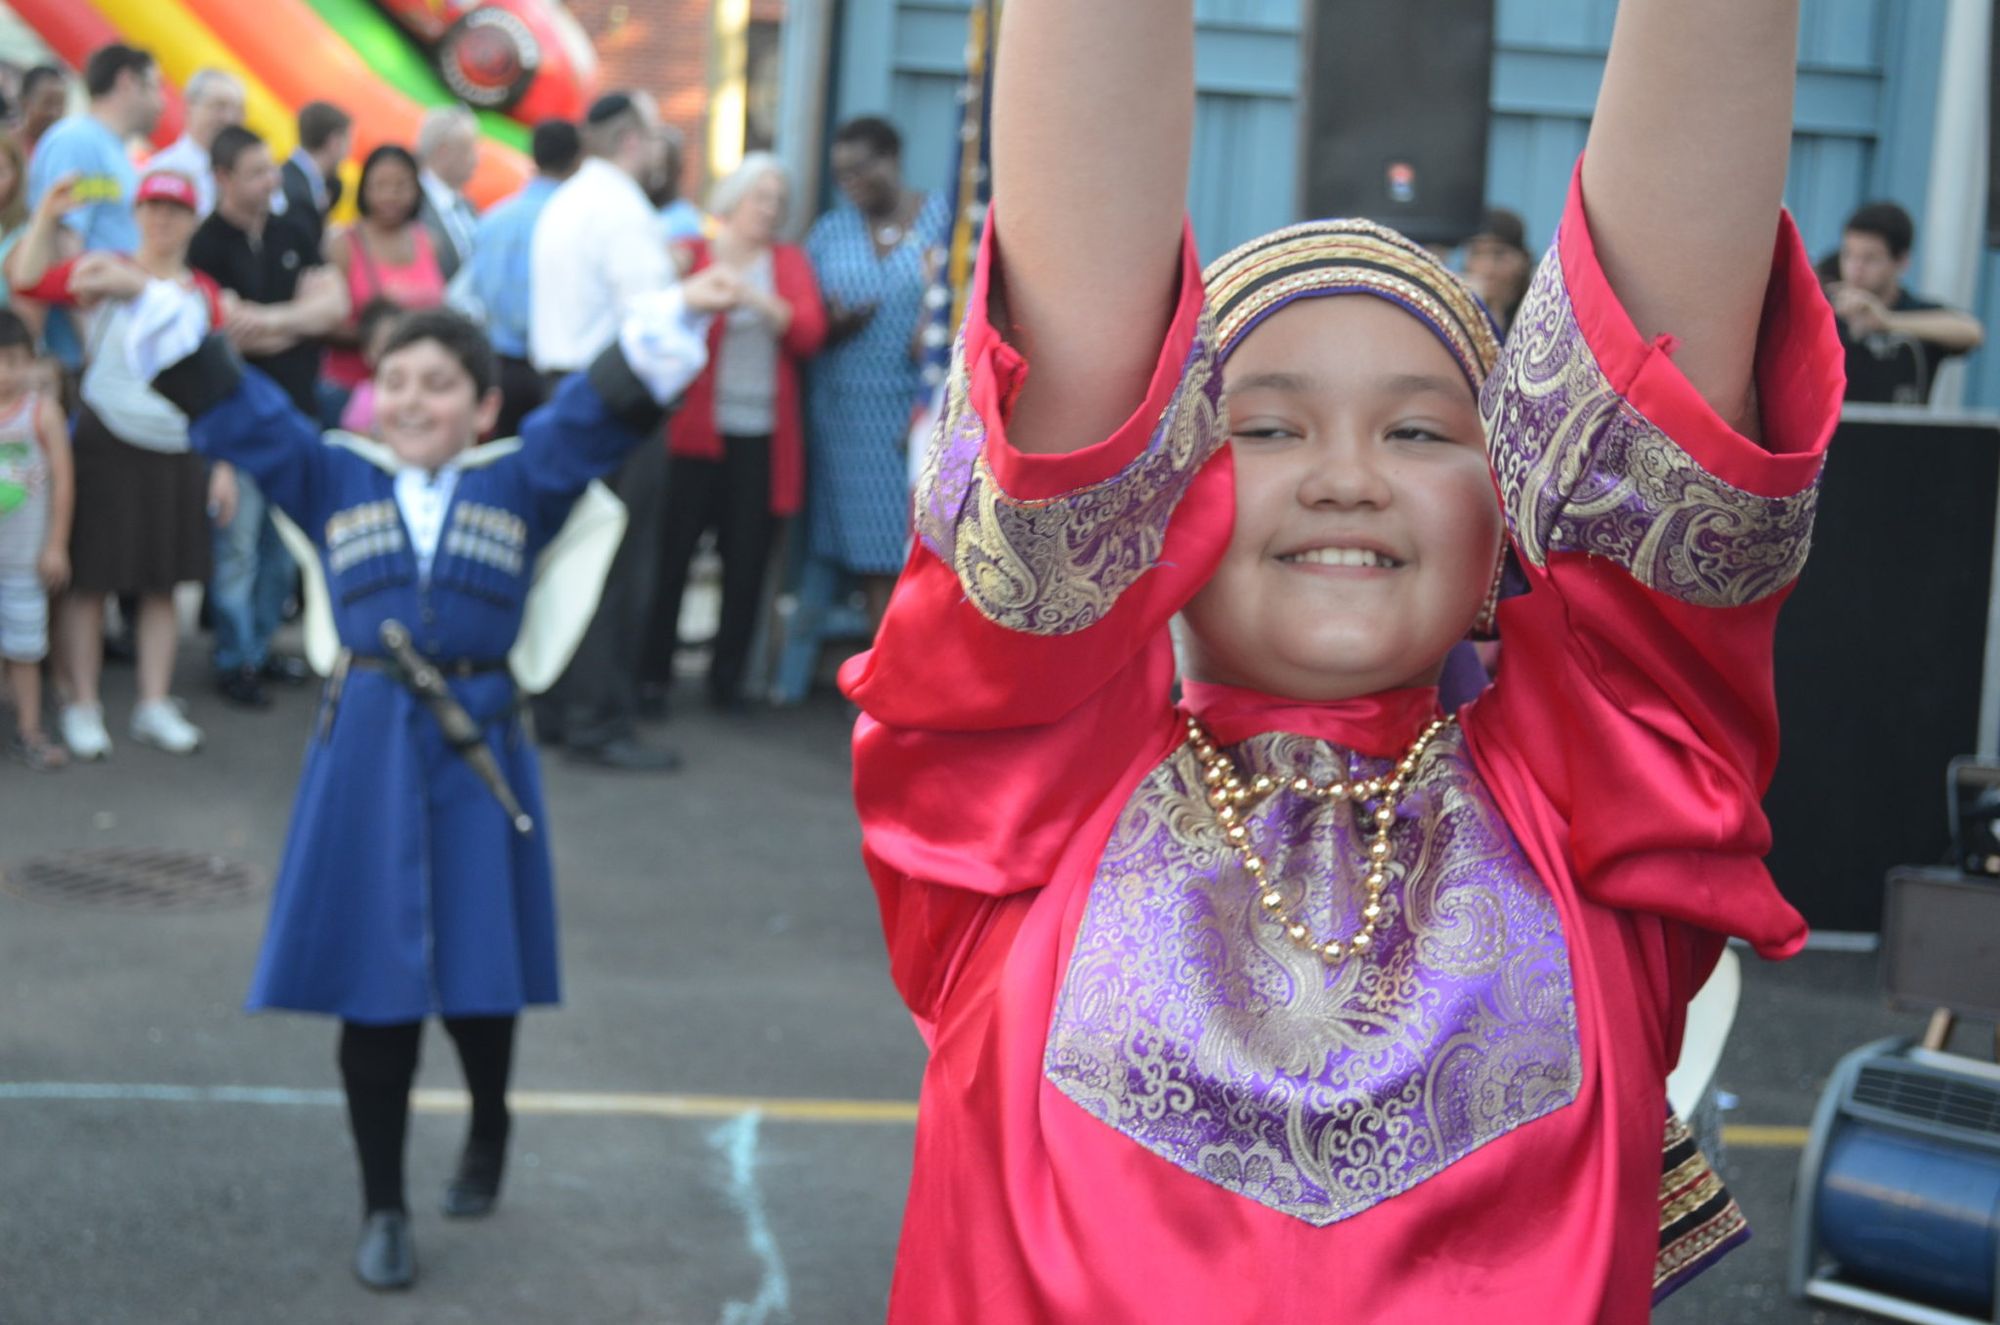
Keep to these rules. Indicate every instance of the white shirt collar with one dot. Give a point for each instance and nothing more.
(424, 497)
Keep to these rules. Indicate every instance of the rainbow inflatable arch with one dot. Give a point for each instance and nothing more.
(513, 61)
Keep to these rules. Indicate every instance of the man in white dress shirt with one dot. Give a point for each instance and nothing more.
(214, 100)
(598, 249)
(599, 242)
(447, 156)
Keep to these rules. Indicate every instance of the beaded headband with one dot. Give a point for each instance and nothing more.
(1322, 258)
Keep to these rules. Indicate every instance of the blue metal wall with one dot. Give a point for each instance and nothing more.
(1866, 107)
(1863, 119)
(905, 57)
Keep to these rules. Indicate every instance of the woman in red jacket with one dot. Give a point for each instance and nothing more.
(737, 446)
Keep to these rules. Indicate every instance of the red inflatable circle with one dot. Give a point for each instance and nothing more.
(489, 58)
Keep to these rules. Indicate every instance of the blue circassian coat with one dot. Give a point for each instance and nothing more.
(404, 892)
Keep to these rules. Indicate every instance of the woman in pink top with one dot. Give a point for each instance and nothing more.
(386, 254)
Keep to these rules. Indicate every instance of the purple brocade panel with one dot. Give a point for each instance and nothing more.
(947, 474)
(1059, 566)
(1580, 470)
(1189, 1022)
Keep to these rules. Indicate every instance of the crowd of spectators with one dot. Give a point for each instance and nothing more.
(106, 514)
(802, 419)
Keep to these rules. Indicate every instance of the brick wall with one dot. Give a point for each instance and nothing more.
(663, 46)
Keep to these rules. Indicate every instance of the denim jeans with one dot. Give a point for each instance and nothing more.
(253, 578)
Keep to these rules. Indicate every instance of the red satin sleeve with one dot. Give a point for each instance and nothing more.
(1023, 673)
(1636, 694)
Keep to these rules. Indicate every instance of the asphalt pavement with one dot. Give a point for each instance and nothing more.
(714, 1129)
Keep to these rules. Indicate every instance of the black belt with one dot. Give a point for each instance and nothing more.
(466, 735)
(458, 669)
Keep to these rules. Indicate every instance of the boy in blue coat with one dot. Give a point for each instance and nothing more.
(416, 878)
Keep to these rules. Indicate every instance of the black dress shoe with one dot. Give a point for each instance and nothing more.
(243, 689)
(652, 706)
(285, 669)
(475, 1189)
(626, 755)
(386, 1257)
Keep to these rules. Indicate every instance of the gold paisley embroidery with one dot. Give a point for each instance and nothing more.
(1058, 566)
(1580, 470)
(1187, 1022)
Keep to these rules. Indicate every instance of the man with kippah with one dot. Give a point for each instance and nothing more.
(494, 287)
(598, 250)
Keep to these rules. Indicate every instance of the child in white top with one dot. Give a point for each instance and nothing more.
(37, 489)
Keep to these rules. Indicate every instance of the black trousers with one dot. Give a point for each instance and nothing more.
(522, 391)
(377, 1065)
(732, 496)
(596, 701)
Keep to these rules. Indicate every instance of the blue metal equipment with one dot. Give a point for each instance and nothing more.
(1897, 1209)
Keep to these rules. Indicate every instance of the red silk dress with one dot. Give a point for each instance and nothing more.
(1142, 1103)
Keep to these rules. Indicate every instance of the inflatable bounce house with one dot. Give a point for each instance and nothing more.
(385, 62)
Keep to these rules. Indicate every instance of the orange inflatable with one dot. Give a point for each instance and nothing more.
(303, 60)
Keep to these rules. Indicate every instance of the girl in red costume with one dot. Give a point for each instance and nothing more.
(1288, 996)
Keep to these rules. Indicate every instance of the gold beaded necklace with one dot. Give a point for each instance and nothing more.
(1232, 799)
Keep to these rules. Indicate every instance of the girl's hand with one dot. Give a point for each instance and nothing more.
(61, 198)
(222, 495)
(53, 567)
(843, 322)
(713, 290)
(102, 275)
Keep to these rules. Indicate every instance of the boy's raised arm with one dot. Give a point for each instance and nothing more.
(1092, 121)
(1685, 174)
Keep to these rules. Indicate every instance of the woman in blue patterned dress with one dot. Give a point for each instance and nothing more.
(873, 255)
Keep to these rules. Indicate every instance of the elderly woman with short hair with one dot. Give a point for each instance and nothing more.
(737, 447)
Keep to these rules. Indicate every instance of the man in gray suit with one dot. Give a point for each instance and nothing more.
(448, 153)
(309, 181)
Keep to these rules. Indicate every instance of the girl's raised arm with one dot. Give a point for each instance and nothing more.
(1092, 120)
(1685, 175)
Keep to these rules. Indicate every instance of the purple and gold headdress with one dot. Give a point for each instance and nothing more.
(1322, 258)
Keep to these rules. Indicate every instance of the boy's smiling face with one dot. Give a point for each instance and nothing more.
(427, 409)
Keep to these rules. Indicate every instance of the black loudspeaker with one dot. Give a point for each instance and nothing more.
(1941, 943)
(1974, 791)
(1397, 115)
(1881, 659)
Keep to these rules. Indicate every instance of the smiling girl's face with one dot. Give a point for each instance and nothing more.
(1367, 529)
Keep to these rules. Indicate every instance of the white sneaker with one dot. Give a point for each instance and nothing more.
(83, 731)
(160, 724)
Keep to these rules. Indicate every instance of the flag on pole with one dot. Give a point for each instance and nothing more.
(969, 194)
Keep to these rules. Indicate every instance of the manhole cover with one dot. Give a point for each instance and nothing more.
(132, 879)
